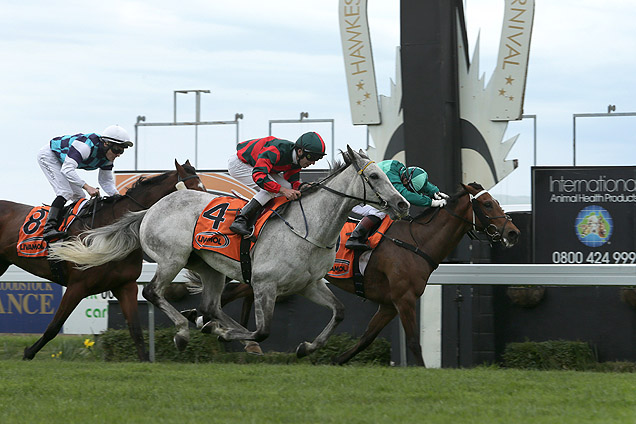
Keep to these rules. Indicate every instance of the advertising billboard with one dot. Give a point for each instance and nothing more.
(584, 215)
(27, 307)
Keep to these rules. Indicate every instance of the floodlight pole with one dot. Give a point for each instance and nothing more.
(610, 109)
(303, 116)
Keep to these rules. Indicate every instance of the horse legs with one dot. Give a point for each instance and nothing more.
(264, 303)
(4, 266)
(320, 294)
(154, 293)
(213, 283)
(127, 296)
(233, 291)
(408, 317)
(72, 297)
(382, 317)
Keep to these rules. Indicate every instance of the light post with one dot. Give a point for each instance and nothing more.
(610, 109)
(303, 119)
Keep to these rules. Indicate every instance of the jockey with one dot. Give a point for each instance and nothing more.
(412, 183)
(258, 164)
(60, 158)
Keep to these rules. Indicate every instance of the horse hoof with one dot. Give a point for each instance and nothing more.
(27, 356)
(190, 314)
(180, 342)
(253, 348)
(209, 327)
(301, 350)
(336, 361)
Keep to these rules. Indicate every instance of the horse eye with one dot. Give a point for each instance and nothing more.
(374, 176)
(488, 204)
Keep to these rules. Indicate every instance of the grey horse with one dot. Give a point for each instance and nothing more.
(291, 256)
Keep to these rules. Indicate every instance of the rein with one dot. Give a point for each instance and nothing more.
(381, 203)
(135, 201)
(487, 227)
(320, 184)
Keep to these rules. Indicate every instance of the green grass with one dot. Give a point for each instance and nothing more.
(62, 347)
(55, 391)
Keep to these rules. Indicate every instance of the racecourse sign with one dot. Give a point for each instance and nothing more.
(27, 307)
(584, 215)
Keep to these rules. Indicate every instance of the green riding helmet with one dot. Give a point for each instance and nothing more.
(312, 145)
(416, 178)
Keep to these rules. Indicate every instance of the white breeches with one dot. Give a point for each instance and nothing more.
(243, 173)
(51, 166)
(366, 210)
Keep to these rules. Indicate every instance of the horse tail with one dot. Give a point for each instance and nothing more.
(101, 245)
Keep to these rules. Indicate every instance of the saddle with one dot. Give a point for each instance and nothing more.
(212, 230)
(31, 243)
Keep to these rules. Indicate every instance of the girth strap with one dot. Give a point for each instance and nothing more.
(246, 261)
(413, 249)
(358, 278)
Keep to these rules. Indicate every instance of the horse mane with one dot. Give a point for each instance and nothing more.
(143, 182)
(452, 202)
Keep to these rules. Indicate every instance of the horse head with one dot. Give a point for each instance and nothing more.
(383, 195)
(487, 216)
(187, 177)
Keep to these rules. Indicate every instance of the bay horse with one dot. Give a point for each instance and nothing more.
(291, 255)
(119, 276)
(396, 276)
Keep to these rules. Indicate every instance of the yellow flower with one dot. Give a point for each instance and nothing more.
(88, 343)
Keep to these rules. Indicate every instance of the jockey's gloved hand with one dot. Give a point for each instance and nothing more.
(439, 195)
(305, 186)
(438, 203)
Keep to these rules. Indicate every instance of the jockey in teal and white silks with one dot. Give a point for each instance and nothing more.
(412, 183)
(62, 156)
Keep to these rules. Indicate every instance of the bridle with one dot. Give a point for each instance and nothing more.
(321, 184)
(487, 227)
(135, 201)
(382, 204)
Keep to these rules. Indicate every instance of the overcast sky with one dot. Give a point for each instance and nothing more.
(77, 66)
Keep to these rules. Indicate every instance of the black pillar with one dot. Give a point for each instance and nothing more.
(430, 98)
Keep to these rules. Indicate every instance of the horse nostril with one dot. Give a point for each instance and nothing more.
(513, 236)
(403, 205)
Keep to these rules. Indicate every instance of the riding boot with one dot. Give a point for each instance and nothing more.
(360, 235)
(51, 231)
(244, 222)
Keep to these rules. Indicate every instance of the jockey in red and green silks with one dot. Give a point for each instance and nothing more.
(272, 167)
(412, 183)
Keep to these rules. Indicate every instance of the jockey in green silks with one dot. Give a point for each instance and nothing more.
(412, 183)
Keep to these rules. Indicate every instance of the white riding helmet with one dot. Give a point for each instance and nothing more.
(116, 134)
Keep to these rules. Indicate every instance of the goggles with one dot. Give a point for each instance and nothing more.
(117, 149)
(313, 156)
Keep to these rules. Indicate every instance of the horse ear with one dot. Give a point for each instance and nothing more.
(351, 153)
(180, 169)
(363, 154)
(187, 162)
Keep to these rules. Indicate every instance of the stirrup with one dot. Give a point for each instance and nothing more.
(54, 235)
(243, 233)
(354, 244)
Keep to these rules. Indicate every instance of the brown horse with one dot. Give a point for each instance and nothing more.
(119, 277)
(399, 267)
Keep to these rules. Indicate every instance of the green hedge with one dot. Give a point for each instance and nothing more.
(116, 345)
(550, 355)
